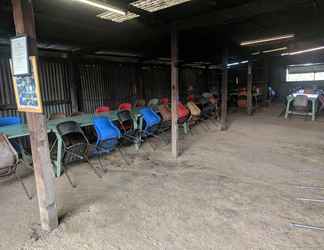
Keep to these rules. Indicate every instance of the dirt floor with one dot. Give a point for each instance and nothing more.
(237, 189)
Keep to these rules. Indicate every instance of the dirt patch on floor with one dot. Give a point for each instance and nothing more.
(229, 190)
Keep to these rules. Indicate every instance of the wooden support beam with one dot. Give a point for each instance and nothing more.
(44, 176)
(223, 123)
(249, 89)
(174, 91)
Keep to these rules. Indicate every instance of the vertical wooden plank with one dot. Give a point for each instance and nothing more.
(44, 176)
(174, 91)
(223, 123)
(249, 90)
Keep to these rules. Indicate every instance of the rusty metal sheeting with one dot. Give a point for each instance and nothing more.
(107, 84)
(100, 83)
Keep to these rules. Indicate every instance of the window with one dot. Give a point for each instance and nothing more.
(305, 72)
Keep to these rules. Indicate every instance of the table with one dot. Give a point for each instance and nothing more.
(85, 120)
(312, 97)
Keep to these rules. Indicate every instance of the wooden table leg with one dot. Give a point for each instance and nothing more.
(287, 109)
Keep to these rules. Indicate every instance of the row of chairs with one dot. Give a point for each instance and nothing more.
(110, 135)
(76, 146)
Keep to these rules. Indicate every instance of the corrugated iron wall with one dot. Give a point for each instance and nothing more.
(101, 83)
(56, 77)
(7, 97)
(156, 81)
(107, 84)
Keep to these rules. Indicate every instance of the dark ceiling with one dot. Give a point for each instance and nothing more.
(205, 26)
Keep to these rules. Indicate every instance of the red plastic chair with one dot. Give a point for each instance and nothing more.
(125, 106)
(182, 111)
(102, 109)
(164, 101)
(191, 98)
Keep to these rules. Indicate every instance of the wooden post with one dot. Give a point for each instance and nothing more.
(174, 91)
(249, 90)
(223, 124)
(44, 176)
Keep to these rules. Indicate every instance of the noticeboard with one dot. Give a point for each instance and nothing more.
(27, 89)
(19, 55)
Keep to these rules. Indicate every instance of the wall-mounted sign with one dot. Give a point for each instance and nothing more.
(19, 55)
(27, 90)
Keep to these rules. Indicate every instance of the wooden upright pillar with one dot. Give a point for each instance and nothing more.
(224, 89)
(174, 92)
(249, 90)
(44, 176)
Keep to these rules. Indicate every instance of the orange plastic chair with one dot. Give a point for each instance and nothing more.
(125, 106)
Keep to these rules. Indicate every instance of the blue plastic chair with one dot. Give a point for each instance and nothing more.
(108, 136)
(10, 120)
(151, 124)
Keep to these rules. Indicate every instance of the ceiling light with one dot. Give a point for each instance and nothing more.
(256, 53)
(116, 17)
(274, 50)
(232, 64)
(102, 5)
(264, 40)
(302, 51)
(246, 61)
(155, 5)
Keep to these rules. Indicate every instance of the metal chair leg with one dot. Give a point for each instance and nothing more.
(69, 178)
(105, 170)
(122, 154)
(93, 167)
(24, 186)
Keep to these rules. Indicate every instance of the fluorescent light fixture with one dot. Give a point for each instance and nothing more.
(232, 64)
(243, 62)
(274, 50)
(269, 39)
(102, 5)
(156, 5)
(116, 17)
(302, 51)
(256, 53)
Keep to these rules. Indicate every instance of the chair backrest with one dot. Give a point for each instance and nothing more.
(182, 111)
(164, 101)
(165, 113)
(125, 106)
(194, 110)
(212, 99)
(105, 128)
(191, 98)
(102, 109)
(301, 101)
(10, 120)
(203, 101)
(126, 120)
(69, 127)
(8, 157)
(140, 103)
(150, 117)
(153, 102)
(57, 115)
